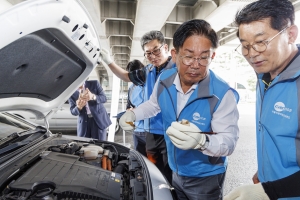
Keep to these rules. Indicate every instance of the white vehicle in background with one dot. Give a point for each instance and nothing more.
(61, 119)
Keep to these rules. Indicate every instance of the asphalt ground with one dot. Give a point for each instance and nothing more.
(241, 164)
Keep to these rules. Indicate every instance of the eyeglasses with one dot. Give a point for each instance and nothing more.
(260, 46)
(155, 52)
(204, 60)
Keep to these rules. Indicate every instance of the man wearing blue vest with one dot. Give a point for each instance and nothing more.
(135, 98)
(156, 51)
(268, 34)
(199, 112)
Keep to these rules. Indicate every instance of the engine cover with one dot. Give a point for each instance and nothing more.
(70, 175)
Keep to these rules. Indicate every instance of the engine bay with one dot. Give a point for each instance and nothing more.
(68, 169)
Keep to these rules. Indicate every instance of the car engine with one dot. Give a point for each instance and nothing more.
(68, 169)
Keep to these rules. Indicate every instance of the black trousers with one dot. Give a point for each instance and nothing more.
(157, 153)
(93, 130)
(196, 188)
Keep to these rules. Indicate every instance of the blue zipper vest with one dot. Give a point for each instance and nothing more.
(198, 110)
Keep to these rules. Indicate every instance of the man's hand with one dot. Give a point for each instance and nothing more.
(248, 192)
(105, 56)
(89, 94)
(86, 95)
(127, 121)
(186, 136)
(255, 178)
(80, 103)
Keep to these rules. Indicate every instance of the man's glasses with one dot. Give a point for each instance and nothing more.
(260, 46)
(204, 60)
(155, 52)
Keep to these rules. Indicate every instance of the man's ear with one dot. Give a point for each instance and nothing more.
(173, 54)
(213, 55)
(293, 34)
(166, 48)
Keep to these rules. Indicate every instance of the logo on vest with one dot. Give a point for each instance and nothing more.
(197, 117)
(279, 108)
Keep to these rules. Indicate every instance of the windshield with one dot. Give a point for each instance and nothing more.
(9, 125)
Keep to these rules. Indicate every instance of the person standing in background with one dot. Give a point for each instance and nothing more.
(156, 51)
(87, 104)
(135, 98)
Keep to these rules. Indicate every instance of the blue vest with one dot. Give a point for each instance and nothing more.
(136, 96)
(277, 125)
(199, 110)
(154, 124)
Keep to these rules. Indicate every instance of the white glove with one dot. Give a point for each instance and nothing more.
(186, 136)
(127, 121)
(105, 56)
(248, 192)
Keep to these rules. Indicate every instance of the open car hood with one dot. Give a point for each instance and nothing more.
(36, 164)
(47, 49)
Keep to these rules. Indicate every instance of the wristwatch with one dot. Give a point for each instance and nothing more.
(94, 97)
(205, 144)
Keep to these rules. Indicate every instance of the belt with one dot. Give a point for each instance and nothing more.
(89, 115)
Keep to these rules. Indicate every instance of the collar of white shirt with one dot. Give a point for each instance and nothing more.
(178, 85)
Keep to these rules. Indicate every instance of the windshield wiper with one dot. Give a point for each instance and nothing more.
(27, 140)
(8, 138)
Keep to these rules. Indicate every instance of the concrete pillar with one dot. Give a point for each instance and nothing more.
(110, 82)
(114, 83)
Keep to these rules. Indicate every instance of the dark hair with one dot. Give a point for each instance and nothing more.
(152, 35)
(194, 27)
(134, 65)
(281, 13)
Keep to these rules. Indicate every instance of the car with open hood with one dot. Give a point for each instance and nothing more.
(47, 49)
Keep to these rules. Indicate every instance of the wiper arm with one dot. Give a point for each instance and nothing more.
(19, 144)
(8, 138)
(22, 143)
(37, 129)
